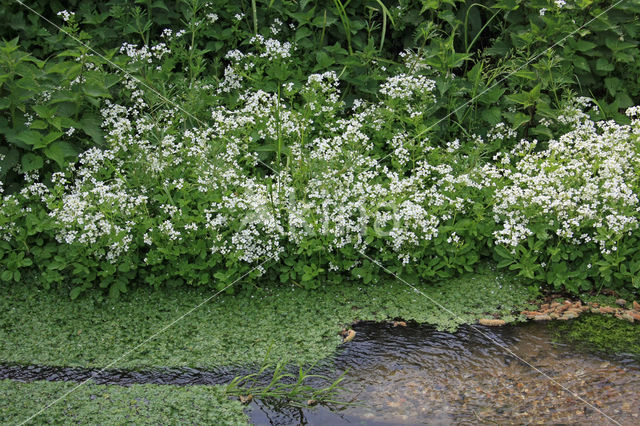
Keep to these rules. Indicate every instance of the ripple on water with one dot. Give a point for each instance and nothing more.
(417, 375)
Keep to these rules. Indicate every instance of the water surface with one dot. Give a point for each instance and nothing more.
(417, 375)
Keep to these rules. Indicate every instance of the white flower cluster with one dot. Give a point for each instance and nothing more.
(266, 49)
(66, 15)
(271, 48)
(406, 86)
(414, 62)
(346, 190)
(145, 53)
(584, 186)
(159, 182)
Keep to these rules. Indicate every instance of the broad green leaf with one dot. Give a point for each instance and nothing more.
(613, 85)
(31, 162)
(96, 90)
(492, 95)
(90, 124)
(49, 138)
(75, 292)
(583, 45)
(301, 33)
(9, 157)
(581, 63)
(324, 60)
(492, 115)
(60, 152)
(604, 65)
(30, 137)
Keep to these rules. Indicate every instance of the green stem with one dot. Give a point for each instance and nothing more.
(279, 136)
(255, 16)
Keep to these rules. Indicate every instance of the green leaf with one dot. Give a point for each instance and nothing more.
(520, 98)
(60, 152)
(96, 90)
(492, 115)
(503, 252)
(90, 124)
(39, 125)
(301, 33)
(518, 119)
(49, 139)
(604, 65)
(9, 157)
(529, 75)
(613, 85)
(324, 60)
(30, 137)
(75, 292)
(581, 63)
(583, 45)
(114, 291)
(491, 96)
(43, 111)
(31, 162)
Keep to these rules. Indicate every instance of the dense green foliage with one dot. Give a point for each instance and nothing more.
(309, 141)
(598, 333)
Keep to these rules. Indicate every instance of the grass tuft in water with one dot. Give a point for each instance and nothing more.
(298, 390)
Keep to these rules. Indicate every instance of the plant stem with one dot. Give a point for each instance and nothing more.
(255, 16)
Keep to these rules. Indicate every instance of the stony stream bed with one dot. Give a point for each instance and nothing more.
(417, 375)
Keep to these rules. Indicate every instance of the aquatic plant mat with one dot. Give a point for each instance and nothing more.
(112, 404)
(299, 326)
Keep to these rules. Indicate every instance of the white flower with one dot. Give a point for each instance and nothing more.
(66, 15)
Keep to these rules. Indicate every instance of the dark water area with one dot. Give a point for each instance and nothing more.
(417, 375)
(162, 376)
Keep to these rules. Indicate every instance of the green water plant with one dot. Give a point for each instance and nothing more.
(301, 388)
(601, 334)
